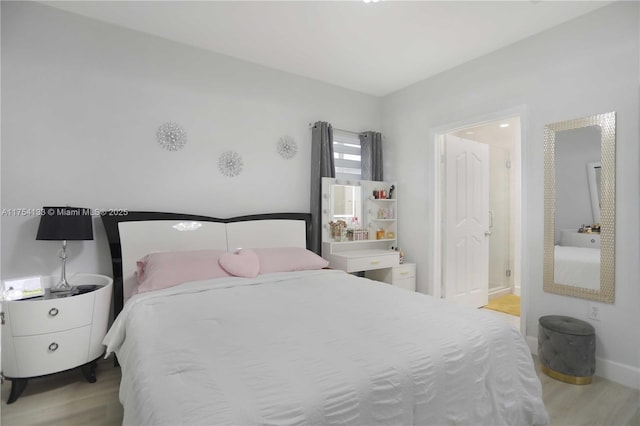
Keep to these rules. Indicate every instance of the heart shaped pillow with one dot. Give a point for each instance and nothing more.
(242, 263)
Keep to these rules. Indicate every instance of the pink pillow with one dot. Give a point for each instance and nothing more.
(288, 259)
(161, 270)
(242, 263)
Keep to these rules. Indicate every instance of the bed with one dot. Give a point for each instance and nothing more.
(305, 346)
(577, 266)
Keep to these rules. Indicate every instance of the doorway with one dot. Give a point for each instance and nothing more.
(502, 134)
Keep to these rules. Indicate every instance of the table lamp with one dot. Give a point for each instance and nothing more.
(65, 224)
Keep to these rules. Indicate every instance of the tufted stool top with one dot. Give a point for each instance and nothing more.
(567, 325)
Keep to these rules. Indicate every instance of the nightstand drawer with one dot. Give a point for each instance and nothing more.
(48, 353)
(48, 316)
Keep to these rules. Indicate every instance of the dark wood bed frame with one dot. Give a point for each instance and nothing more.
(111, 222)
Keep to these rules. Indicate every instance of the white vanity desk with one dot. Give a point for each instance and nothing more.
(376, 215)
(356, 260)
(573, 238)
(379, 265)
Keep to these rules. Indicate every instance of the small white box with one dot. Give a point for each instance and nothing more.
(22, 288)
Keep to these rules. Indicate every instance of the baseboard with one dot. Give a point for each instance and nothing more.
(626, 375)
(517, 290)
(494, 294)
(533, 344)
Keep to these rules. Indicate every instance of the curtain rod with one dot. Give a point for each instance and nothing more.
(341, 130)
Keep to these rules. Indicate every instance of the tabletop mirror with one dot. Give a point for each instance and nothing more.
(346, 203)
(579, 207)
(342, 209)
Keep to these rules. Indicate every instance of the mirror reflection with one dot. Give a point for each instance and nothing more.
(346, 204)
(346, 213)
(579, 207)
(575, 149)
(593, 174)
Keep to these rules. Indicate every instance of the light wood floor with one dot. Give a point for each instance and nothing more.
(67, 399)
(602, 403)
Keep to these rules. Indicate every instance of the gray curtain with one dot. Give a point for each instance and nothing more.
(322, 165)
(371, 152)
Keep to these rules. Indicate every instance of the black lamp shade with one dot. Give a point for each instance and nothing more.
(65, 223)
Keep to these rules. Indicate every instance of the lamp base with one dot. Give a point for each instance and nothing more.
(61, 287)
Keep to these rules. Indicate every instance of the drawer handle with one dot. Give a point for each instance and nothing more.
(53, 312)
(375, 262)
(404, 273)
(53, 347)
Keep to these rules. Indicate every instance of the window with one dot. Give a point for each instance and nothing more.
(346, 154)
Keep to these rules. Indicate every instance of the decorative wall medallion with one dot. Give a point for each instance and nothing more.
(230, 163)
(171, 136)
(287, 147)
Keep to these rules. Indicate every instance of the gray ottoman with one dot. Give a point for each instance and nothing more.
(567, 349)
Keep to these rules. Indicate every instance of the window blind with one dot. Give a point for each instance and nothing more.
(346, 153)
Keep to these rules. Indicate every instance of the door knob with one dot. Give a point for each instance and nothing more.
(487, 233)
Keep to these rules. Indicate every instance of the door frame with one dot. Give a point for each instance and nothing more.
(435, 166)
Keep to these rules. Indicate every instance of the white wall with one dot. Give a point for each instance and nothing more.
(584, 67)
(81, 103)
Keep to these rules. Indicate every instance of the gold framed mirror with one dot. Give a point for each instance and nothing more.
(579, 243)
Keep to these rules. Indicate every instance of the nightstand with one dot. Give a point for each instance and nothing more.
(401, 276)
(55, 332)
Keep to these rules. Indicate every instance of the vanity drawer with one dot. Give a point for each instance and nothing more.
(30, 317)
(48, 353)
(401, 276)
(404, 271)
(406, 284)
(372, 262)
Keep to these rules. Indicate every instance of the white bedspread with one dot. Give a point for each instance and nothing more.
(318, 347)
(578, 266)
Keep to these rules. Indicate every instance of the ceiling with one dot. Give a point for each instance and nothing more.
(500, 133)
(374, 48)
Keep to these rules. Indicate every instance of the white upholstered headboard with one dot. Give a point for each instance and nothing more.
(134, 236)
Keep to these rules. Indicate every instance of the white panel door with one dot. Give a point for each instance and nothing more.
(466, 216)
